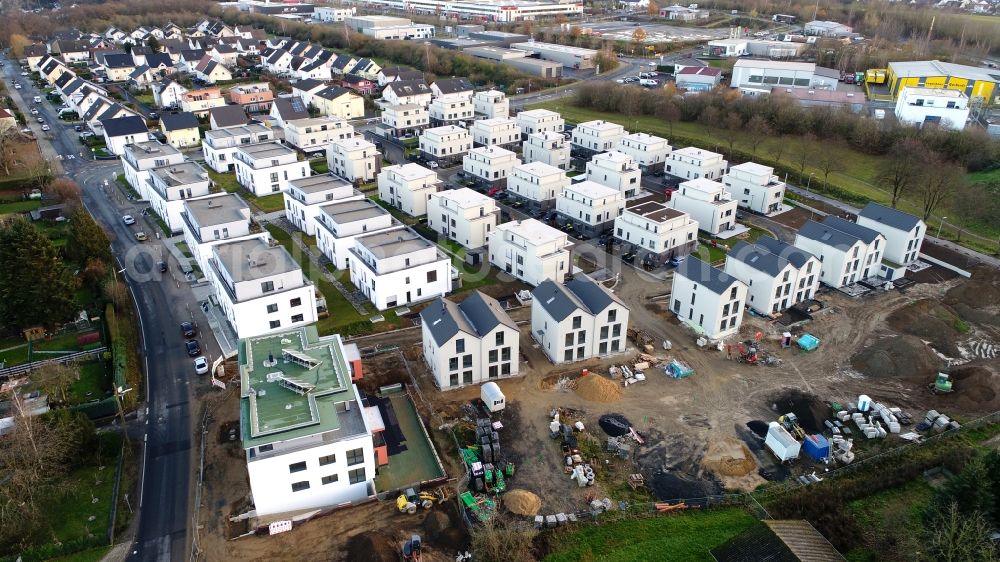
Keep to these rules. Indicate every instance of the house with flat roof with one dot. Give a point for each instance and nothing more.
(489, 166)
(540, 121)
(314, 134)
(650, 152)
(547, 147)
(446, 144)
(594, 137)
(305, 196)
(707, 202)
(500, 131)
(408, 187)
(399, 268)
(707, 299)
(537, 185)
(691, 163)
(339, 223)
(656, 232)
(531, 251)
(591, 208)
(941, 107)
(220, 145)
(267, 167)
(755, 187)
(253, 98)
(139, 158)
(577, 320)
(470, 342)
(617, 170)
(200, 102)
(404, 119)
(355, 159)
(904, 236)
(170, 185)
(215, 219)
(463, 215)
(978, 83)
(491, 104)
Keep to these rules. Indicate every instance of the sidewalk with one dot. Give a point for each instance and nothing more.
(44, 148)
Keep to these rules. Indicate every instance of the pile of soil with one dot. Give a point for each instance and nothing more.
(982, 290)
(372, 547)
(930, 321)
(596, 388)
(614, 425)
(668, 485)
(729, 458)
(522, 502)
(810, 410)
(898, 357)
(436, 523)
(974, 388)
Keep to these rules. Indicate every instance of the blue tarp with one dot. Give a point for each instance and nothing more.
(808, 342)
(679, 369)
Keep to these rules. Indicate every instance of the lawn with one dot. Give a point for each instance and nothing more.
(988, 176)
(897, 511)
(184, 249)
(20, 206)
(123, 183)
(17, 351)
(94, 383)
(267, 203)
(92, 555)
(399, 215)
(681, 537)
(145, 98)
(227, 182)
(319, 166)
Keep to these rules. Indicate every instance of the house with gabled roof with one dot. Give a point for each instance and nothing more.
(577, 320)
(904, 235)
(707, 299)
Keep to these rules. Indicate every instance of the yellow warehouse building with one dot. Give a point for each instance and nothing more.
(973, 81)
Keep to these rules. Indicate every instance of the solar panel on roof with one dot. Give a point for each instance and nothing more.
(297, 104)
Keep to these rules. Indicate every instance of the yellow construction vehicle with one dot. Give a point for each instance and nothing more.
(408, 501)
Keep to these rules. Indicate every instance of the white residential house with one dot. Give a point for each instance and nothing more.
(693, 163)
(267, 167)
(871, 265)
(904, 236)
(305, 196)
(547, 147)
(656, 232)
(537, 184)
(260, 288)
(122, 131)
(594, 137)
(216, 219)
(168, 93)
(407, 92)
(220, 145)
(470, 342)
(807, 266)
(445, 144)
(540, 121)
(451, 109)
(770, 279)
(489, 165)
(313, 134)
(408, 187)
(398, 268)
(463, 215)
(531, 251)
(578, 320)
(589, 206)
(707, 202)
(171, 185)
(649, 151)
(844, 256)
(942, 107)
(500, 131)
(617, 170)
(355, 159)
(308, 436)
(405, 119)
(338, 224)
(491, 104)
(707, 299)
(755, 187)
(141, 157)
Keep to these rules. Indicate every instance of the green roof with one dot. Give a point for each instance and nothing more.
(290, 384)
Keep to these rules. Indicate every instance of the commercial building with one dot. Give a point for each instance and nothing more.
(594, 137)
(170, 185)
(827, 29)
(305, 196)
(707, 202)
(755, 75)
(940, 107)
(489, 165)
(398, 268)
(330, 14)
(463, 215)
(446, 144)
(483, 10)
(267, 167)
(220, 144)
(389, 27)
(590, 207)
(755, 187)
(531, 251)
(904, 236)
(501, 131)
(691, 163)
(698, 79)
(537, 184)
(656, 232)
(707, 299)
(650, 152)
(577, 320)
(215, 219)
(974, 82)
(536, 67)
(355, 159)
(547, 147)
(407, 187)
(338, 224)
(570, 57)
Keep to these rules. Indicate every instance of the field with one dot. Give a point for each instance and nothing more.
(895, 512)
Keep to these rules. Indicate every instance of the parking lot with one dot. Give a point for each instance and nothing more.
(655, 32)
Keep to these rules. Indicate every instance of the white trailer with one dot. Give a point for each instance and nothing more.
(781, 443)
(492, 396)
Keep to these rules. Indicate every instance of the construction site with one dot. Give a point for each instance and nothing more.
(672, 424)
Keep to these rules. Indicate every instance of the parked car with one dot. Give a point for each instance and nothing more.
(201, 365)
(677, 260)
(141, 236)
(193, 347)
(78, 128)
(154, 115)
(128, 219)
(629, 257)
(17, 85)
(40, 119)
(38, 99)
(433, 165)
(45, 127)
(162, 266)
(188, 330)
(34, 111)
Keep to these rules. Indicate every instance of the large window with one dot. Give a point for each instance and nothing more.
(356, 476)
(330, 479)
(327, 459)
(355, 456)
(297, 467)
(299, 486)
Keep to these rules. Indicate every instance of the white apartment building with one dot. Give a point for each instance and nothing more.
(845, 257)
(213, 220)
(355, 159)
(141, 157)
(501, 131)
(578, 320)
(649, 151)
(470, 342)
(531, 251)
(315, 133)
(451, 109)
(589, 206)
(871, 265)
(755, 187)
(267, 167)
(540, 121)
(260, 288)
(617, 170)
(594, 137)
(548, 148)
(307, 434)
(463, 215)
(807, 266)
(904, 236)
(170, 185)
(537, 184)
(707, 202)
(408, 187)
(657, 232)
(445, 144)
(338, 224)
(489, 165)
(941, 107)
(491, 104)
(405, 118)
(770, 279)
(305, 196)
(708, 299)
(693, 163)
(398, 268)
(219, 145)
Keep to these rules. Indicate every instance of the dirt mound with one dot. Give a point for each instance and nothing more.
(974, 389)
(668, 485)
(810, 410)
(372, 547)
(436, 523)
(596, 388)
(729, 457)
(982, 290)
(930, 321)
(522, 502)
(614, 425)
(900, 356)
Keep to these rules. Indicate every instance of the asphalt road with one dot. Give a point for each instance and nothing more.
(163, 301)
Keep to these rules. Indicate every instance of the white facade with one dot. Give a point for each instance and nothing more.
(315, 133)
(139, 158)
(845, 257)
(405, 117)
(451, 108)
(305, 196)
(597, 136)
(490, 11)
(946, 108)
(707, 202)
(445, 143)
(531, 251)
(660, 232)
(755, 187)
(170, 185)
(355, 159)
(501, 131)
(770, 279)
(537, 183)
(590, 206)
(220, 145)
(904, 233)
(490, 164)
(216, 219)
(398, 268)
(708, 299)
(338, 224)
(693, 163)
(492, 104)
(463, 215)
(267, 167)
(649, 151)
(548, 148)
(578, 320)
(617, 170)
(540, 121)
(332, 14)
(807, 267)
(408, 187)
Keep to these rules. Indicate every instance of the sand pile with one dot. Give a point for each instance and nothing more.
(900, 356)
(930, 321)
(596, 388)
(372, 547)
(729, 458)
(522, 502)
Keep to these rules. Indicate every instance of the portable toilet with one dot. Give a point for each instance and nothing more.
(864, 403)
(492, 396)
(816, 446)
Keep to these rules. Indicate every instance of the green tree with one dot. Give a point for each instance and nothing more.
(153, 43)
(85, 239)
(35, 286)
(957, 535)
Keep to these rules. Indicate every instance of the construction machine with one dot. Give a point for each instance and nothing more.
(408, 501)
(790, 422)
(942, 385)
(411, 549)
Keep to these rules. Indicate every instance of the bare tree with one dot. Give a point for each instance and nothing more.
(732, 126)
(960, 537)
(503, 540)
(56, 378)
(830, 160)
(777, 150)
(899, 169)
(803, 153)
(758, 130)
(9, 139)
(668, 111)
(938, 179)
(65, 190)
(972, 203)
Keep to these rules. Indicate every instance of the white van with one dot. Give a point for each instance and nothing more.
(38, 99)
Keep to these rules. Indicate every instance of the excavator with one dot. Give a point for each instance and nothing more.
(408, 501)
(411, 549)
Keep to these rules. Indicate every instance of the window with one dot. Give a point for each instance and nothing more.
(356, 476)
(493, 356)
(330, 479)
(732, 293)
(453, 364)
(604, 333)
(297, 318)
(581, 337)
(295, 302)
(265, 448)
(577, 321)
(432, 276)
(499, 338)
(467, 360)
(612, 315)
(267, 286)
(297, 467)
(467, 377)
(505, 354)
(505, 368)
(299, 486)
(493, 372)
(569, 339)
(568, 356)
(460, 345)
(275, 324)
(616, 330)
(272, 308)
(355, 456)
(327, 459)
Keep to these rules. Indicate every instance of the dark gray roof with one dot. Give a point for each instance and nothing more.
(307, 84)
(593, 295)
(332, 92)
(34, 50)
(290, 109)
(118, 60)
(159, 59)
(555, 299)
(890, 217)
(121, 126)
(854, 229)
(178, 120)
(453, 85)
(409, 87)
(711, 278)
(476, 316)
(828, 235)
(759, 258)
(228, 116)
(796, 256)
(580, 293)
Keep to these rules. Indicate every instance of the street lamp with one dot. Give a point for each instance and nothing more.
(809, 183)
(93, 152)
(941, 224)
